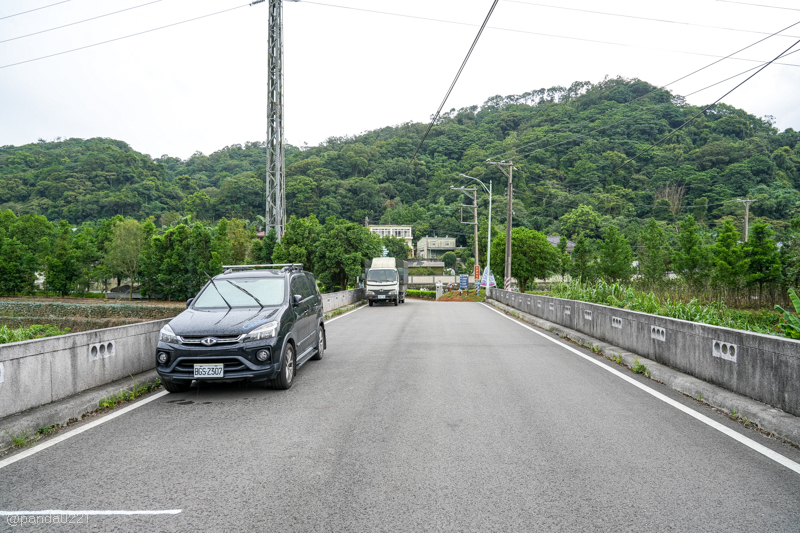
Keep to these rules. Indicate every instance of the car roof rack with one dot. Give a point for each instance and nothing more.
(285, 267)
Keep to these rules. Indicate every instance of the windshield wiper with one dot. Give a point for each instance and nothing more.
(215, 286)
(246, 292)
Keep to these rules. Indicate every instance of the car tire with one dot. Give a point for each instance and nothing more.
(320, 344)
(176, 386)
(370, 303)
(285, 378)
(395, 302)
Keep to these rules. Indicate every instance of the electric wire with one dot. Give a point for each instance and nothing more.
(691, 119)
(620, 15)
(758, 5)
(32, 10)
(631, 117)
(124, 37)
(500, 156)
(540, 34)
(78, 22)
(458, 74)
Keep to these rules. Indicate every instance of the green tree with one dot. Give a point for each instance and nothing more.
(581, 221)
(449, 259)
(566, 260)
(299, 242)
(532, 256)
(17, 266)
(616, 256)
(764, 264)
(653, 254)
(396, 247)
(341, 250)
(730, 265)
(583, 260)
(123, 252)
(691, 259)
(63, 270)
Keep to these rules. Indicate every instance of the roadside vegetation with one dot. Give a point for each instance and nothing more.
(33, 332)
(709, 312)
(128, 395)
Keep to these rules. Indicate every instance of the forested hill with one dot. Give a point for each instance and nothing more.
(566, 143)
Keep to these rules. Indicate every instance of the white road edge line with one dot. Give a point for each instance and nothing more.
(95, 513)
(77, 431)
(345, 314)
(750, 443)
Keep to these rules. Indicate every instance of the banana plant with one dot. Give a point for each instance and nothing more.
(791, 326)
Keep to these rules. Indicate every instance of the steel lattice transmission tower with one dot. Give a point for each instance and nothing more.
(276, 157)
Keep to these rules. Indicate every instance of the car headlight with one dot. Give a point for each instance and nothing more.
(370, 293)
(267, 331)
(392, 292)
(167, 335)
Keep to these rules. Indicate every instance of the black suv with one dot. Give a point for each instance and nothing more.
(245, 324)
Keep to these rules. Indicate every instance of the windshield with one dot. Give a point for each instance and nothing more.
(384, 275)
(269, 291)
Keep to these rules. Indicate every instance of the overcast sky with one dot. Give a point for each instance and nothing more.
(200, 86)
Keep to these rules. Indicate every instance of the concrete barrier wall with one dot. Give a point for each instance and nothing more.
(40, 371)
(335, 300)
(763, 367)
(431, 280)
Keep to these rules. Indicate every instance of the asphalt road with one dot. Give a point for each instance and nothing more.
(423, 417)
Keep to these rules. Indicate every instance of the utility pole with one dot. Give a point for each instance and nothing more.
(276, 155)
(474, 207)
(746, 203)
(502, 165)
(488, 269)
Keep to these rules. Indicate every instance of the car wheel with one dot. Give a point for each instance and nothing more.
(320, 344)
(176, 386)
(285, 378)
(395, 302)
(370, 303)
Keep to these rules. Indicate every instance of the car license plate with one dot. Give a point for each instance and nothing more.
(209, 371)
(381, 296)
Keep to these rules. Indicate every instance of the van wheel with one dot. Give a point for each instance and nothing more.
(176, 386)
(370, 303)
(285, 378)
(395, 302)
(320, 344)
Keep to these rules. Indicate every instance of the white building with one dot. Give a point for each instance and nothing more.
(431, 247)
(399, 232)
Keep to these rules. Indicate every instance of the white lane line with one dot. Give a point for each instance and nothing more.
(83, 513)
(345, 314)
(750, 443)
(77, 431)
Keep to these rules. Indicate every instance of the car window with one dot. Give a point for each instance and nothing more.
(268, 291)
(382, 275)
(299, 286)
(312, 283)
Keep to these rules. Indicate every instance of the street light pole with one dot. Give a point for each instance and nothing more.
(510, 191)
(489, 240)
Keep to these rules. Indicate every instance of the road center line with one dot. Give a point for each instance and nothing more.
(750, 443)
(77, 431)
(84, 513)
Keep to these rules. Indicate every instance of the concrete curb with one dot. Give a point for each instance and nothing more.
(63, 411)
(780, 424)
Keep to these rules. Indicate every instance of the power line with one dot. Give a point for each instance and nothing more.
(540, 34)
(121, 38)
(654, 90)
(458, 74)
(32, 10)
(676, 130)
(631, 117)
(758, 5)
(79, 22)
(644, 18)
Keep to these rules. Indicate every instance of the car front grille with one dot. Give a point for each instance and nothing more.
(228, 366)
(218, 339)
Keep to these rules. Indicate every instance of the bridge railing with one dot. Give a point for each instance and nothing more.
(763, 367)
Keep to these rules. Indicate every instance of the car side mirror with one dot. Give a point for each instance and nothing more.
(189, 302)
(296, 299)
